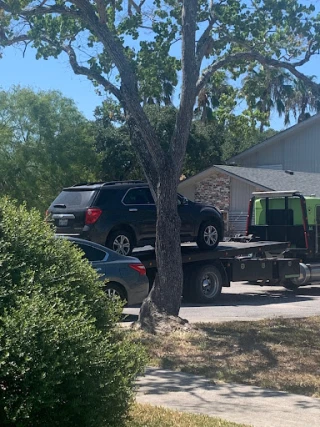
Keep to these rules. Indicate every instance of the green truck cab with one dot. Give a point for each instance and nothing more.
(287, 216)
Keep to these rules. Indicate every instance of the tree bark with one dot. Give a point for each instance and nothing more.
(161, 307)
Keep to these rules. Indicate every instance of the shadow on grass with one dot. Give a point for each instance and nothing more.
(279, 354)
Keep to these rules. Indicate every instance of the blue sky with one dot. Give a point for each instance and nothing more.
(56, 74)
(52, 74)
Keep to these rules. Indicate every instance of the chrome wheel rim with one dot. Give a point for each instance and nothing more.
(210, 235)
(112, 293)
(209, 285)
(121, 244)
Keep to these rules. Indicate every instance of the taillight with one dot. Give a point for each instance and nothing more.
(140, 268)
(92, 215)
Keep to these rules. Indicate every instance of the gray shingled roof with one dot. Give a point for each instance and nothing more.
(278, 180)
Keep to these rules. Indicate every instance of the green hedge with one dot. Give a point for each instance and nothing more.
(63, 362)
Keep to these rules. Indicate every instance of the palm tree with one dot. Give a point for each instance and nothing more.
(209, 97)
(267, 89)
(302, 102)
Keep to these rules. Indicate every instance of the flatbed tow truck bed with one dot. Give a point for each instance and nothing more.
(191, 253)
(206, 272)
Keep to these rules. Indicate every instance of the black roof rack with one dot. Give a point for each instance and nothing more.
(103, 183)
(134, 181)
(87, 183)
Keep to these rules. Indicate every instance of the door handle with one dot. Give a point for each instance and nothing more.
(133, 210)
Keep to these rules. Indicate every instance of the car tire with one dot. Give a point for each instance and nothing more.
(114, 290)
(120, 241)
(208, 236)
(205, 284)
(288, 284)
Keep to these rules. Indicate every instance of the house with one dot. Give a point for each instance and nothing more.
(230, 188)
(296, 148)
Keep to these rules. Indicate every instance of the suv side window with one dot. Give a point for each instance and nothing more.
(92, 254)
(138, 196)
(109, 198)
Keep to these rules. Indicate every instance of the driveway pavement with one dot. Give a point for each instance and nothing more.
(250, 302)
(238, 403)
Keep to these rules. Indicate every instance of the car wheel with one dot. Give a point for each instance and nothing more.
(208, 236)
(113, 290)
(120, 241)
(205, 284)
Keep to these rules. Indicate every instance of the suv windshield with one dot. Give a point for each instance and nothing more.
(73, 198)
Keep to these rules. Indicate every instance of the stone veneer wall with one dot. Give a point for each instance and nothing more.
(215, 191)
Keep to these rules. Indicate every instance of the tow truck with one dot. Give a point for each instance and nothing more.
(206, 272)
(281, 247)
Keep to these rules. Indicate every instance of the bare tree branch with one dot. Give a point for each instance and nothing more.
(101, 7)
(205, 41)
(91, 74)
(256, 56)
(5, 41)
(135, 6)
(252, 47)
(291, 67)
(189, 78)
(129, 86)
(77, 69)
(41, 10)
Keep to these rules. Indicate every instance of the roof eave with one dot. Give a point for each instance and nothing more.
(196, 178)
(207, 172)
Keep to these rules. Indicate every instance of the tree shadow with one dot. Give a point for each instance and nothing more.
(261, 297)
(200, 390)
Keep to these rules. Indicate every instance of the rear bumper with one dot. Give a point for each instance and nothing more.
(137, 293)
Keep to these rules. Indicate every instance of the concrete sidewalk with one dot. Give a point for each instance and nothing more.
(233, 402)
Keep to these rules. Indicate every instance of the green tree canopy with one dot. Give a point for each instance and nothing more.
(45, 144)
(221, 135)
(119, 159)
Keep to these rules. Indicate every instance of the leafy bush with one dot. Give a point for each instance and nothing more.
(63, 362)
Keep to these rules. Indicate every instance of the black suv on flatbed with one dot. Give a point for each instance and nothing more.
(122, 215)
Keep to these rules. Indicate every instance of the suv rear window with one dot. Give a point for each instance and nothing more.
(74, 198)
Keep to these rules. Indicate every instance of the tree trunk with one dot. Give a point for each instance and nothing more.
(160, 309)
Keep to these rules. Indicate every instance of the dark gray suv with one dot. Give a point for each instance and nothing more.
(122, 215)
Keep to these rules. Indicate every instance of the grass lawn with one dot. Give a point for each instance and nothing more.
(152, 416)
(281, 354)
